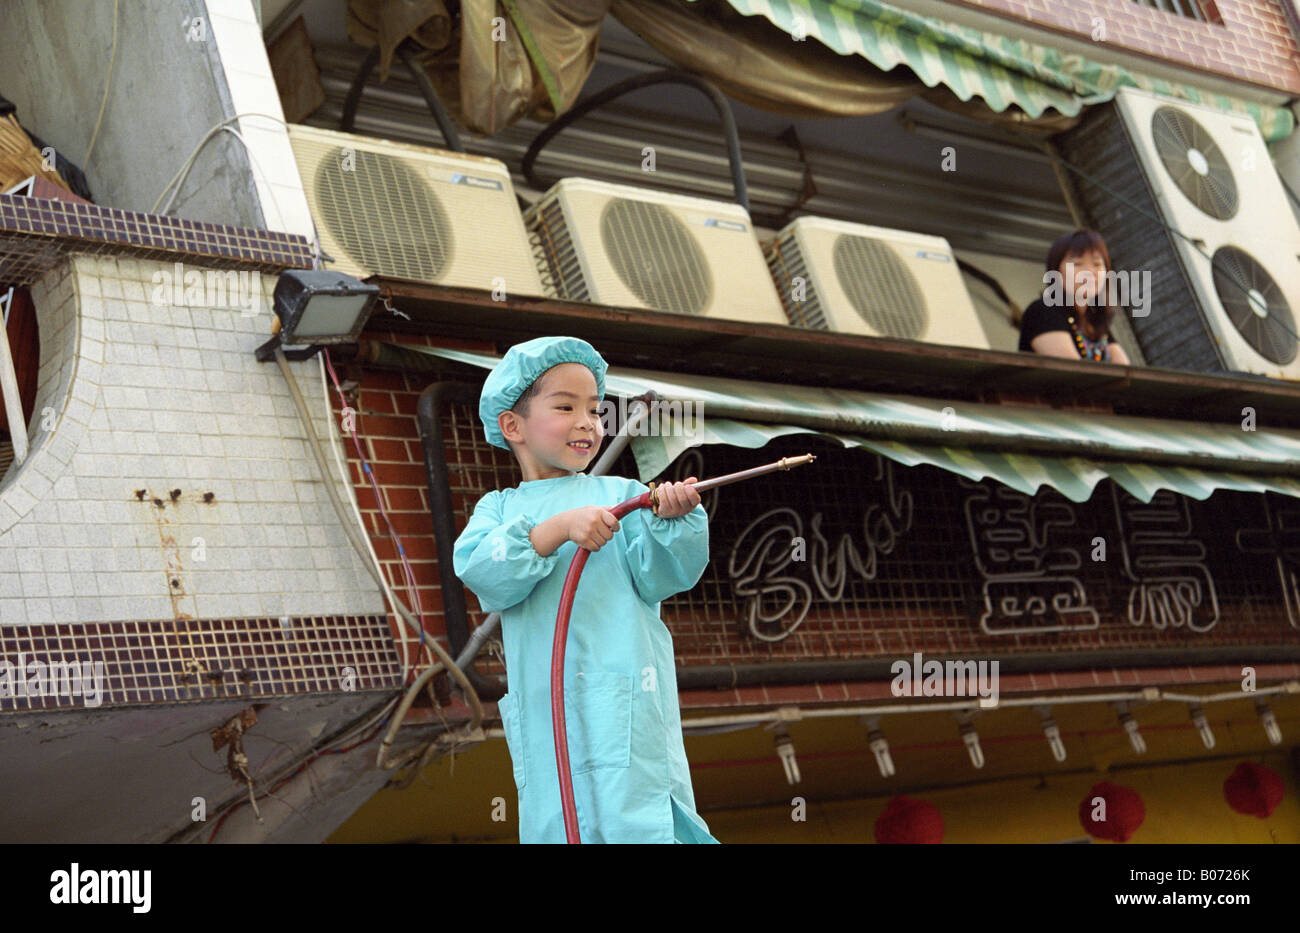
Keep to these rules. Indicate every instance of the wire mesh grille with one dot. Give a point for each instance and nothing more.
(386, 217)
(880, 287)
(656, 256)
(917, 559)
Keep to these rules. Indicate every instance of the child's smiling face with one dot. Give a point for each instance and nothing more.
(561, 431)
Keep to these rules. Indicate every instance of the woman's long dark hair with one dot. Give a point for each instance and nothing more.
(1077, 243)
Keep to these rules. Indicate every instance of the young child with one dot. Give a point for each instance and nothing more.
(631, 781)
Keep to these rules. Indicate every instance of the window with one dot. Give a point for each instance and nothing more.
(1202, 11)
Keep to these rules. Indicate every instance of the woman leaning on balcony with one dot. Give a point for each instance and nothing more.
(1072, 318)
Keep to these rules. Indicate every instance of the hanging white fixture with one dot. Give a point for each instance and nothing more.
(879, 746)
(1202, 725)
(972, 740)
(785, 751)
(1052, 731)
(1268, 721)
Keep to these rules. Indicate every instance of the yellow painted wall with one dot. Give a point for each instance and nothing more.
(1021, 794)
(1184, 803)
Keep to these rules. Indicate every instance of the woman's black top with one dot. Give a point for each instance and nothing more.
(1041, 319)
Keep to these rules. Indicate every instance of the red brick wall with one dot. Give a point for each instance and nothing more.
(386, 423)
(1253, 44)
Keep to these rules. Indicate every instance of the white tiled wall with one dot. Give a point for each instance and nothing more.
(137, 395)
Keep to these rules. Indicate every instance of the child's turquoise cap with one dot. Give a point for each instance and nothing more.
(521, 367)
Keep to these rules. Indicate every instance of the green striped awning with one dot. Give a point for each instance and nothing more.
(973, 63)
(1022, 447)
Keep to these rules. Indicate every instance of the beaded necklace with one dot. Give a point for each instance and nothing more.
(1088, 349)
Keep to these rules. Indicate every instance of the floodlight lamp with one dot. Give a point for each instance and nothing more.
(316, 308)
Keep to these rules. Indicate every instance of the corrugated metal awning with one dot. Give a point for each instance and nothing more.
(1021, 447)
(973, 63)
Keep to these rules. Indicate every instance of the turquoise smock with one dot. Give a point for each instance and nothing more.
(631, 781)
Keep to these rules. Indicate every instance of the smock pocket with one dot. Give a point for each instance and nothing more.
(514, 729)
(598, 713)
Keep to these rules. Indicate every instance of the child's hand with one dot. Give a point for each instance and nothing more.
(676, 499)
(591, 527)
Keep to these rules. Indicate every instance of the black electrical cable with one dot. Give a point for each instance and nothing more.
(740, 190)
(992, 283)
(350, 103)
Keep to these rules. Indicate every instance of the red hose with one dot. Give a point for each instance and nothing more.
(557, 672)
(645, 500)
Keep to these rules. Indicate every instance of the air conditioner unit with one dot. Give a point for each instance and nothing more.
(410, 212)
(1225, 287)
(631, 247)
(858, 279)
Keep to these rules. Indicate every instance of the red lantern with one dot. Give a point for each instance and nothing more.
(908, 822)
(1124, 812)
(1254, 790)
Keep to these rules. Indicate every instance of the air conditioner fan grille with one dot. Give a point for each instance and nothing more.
(880, 287)
(384, 215)
(1194, 162)
(1255, 304)
(656, 256)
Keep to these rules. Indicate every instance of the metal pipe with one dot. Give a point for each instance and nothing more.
(726, 676)
(798, 713)
(429, 418)
(636, 417)
(837, 712)
(785, 463)
(697, 725)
